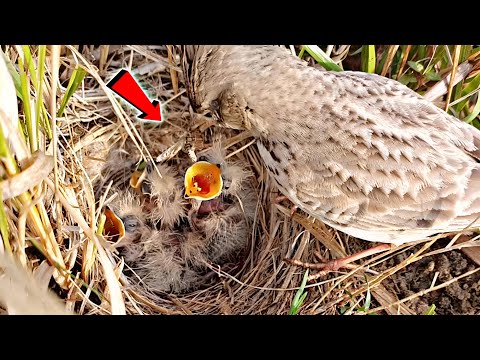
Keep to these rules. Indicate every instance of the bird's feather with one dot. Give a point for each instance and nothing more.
(364, 153)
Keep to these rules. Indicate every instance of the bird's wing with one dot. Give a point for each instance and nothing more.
(390, 161)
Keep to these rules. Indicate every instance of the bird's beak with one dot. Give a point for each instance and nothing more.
(113, 228)
(203, 181)
(138, 176)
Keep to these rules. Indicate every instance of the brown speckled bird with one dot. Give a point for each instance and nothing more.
(361, 152)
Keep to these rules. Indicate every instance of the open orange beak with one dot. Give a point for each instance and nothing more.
(203, 181)
(114, 227)
(137, 177)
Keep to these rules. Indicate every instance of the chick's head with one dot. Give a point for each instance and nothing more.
(124, 214)
(235, 173)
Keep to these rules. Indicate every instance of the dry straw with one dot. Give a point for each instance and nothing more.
(51, 224)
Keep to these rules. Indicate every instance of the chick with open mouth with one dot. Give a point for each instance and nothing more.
(177, 235)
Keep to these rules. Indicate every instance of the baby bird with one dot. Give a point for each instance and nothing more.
(165, 194)
(173, 239)
(226, 220)
(118, 169)
(126, 208)
(158, 263)
(362, 153)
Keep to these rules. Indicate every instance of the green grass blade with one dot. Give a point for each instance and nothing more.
(368, 301)
(437, 57)
(302, 51)
(75, 80)
(431, 310)
(37, 81)
(457, 92)
(476, 123)
(470, 86)
(41, 69)
(30, 64)
(300, 296)
(422, 51)
(302, 287)
(4, 226)
(465, 52)
(5, 156)
(474, 113)
(15, 76)
(433, 76)
(301, 300)
(31, 129)
(46, 122)
(368, 58)
(382, 62)
(322, 58)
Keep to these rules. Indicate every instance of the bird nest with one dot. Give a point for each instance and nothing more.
(101, 147)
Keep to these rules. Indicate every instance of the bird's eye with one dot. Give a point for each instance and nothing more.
(202, 158)
(215, 110)
(146, 187)
(215, 105)
(130, 223)
(150, 167)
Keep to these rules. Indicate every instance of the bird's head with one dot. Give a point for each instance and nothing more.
(222, 102)
(125, 229)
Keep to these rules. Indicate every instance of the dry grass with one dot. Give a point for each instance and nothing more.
(54, 221)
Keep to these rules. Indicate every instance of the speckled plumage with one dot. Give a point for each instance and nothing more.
(363, 153)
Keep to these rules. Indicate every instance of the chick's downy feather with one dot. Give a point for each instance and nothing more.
(180, 238)
(166, 194)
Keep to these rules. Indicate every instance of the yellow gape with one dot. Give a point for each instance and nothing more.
(203, 181)
(114, 229)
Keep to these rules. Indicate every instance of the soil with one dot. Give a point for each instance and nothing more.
(460, 297)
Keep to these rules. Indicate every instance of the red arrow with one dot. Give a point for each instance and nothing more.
(127, 87)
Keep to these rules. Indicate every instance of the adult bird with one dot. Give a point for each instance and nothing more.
(362, 153)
